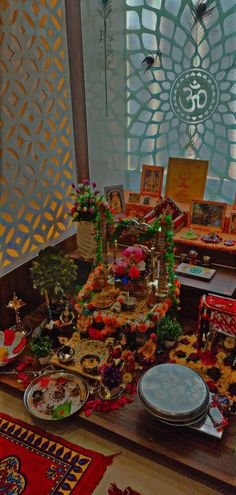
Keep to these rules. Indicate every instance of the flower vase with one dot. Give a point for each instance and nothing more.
(86, 240)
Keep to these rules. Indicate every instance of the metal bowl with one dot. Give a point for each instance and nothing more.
(65, 354)
(12, 345)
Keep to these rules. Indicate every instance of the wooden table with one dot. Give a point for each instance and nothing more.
(195, 454)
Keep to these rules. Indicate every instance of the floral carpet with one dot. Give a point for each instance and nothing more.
(217, 369)
(33, 461)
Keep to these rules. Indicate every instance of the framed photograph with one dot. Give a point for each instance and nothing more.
(116, 199)
(208, 214)
(151, 180)
(234, 205)
(186, 179)
(134, 197)
(232, 223)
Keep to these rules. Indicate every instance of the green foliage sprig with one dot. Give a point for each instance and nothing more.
(41, 346)
(168, 329)
(53, 272)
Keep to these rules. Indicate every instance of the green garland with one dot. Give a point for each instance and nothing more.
(104, 217)
(163, 222)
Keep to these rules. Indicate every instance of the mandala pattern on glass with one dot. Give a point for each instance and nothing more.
(184, 103)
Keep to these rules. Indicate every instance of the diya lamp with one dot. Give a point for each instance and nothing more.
(16, 304)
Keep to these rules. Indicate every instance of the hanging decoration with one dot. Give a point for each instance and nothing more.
(104, 10)
(149, 60)
(202, 11)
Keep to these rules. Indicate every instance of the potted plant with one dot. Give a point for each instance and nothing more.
(41, 348)
(168, 331)
(52, 273)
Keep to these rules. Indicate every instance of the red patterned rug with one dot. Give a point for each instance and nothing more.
(114, 490)
(33, 461)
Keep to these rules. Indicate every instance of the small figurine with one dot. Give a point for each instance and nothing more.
(213, 238)
(192, 257)
(111, 380)
(67, 316)
(128, 366)
(147, 353)
(229, 242)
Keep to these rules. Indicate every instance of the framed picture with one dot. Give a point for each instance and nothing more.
(151, 180)
(232, 224)
(209, 214)
(134, 197)
(234, 205)
(186, 179)
(116, 199)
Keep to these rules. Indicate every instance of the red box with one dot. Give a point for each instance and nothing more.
(216, 314)
(169, 207)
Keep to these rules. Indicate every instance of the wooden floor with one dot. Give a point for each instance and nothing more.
(148, 476)
(186, 452)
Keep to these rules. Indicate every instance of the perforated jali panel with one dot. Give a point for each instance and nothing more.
(37, 155)
(185, 104)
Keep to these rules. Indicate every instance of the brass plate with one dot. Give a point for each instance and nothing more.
(173, 392)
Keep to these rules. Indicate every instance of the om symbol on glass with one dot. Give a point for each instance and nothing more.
(194, 96)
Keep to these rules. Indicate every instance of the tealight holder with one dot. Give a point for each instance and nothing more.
(206, 261)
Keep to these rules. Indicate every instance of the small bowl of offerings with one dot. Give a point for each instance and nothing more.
(65, 354)
(90, 363)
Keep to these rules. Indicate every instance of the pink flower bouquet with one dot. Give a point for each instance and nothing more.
(134, 264)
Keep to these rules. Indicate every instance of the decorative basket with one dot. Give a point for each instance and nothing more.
(86, 240)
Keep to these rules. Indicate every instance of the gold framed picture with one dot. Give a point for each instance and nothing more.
(232, 223)
(116, 199)
(186, 179)
(134, 197)
(207, 214)
(151, 180)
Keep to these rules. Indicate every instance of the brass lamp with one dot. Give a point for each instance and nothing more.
(16, 304)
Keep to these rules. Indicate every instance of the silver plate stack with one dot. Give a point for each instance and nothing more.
(174, 394)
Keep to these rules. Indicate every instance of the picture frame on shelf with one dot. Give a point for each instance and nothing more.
(151, 180)
(116, 199)
(232, 223)
(207, 214)
(186, 179)
(134, 197)
(234, 203)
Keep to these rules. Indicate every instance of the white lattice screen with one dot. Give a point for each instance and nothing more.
(37, 155)
(145, 123)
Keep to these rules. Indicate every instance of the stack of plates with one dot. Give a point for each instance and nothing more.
(174, 394)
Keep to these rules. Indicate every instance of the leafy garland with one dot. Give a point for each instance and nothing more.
(163, 222)
(104, 219)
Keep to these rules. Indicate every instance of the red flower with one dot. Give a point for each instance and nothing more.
(134, 272)
(94, 334)
(73, 210)
(121, 269)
